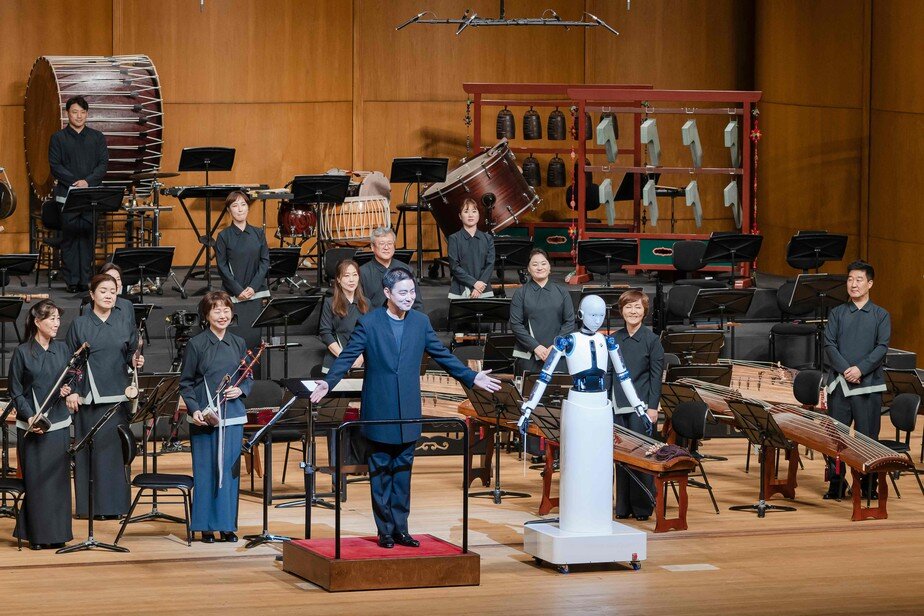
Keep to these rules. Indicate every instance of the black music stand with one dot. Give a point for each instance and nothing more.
(722, 303)
(160, 397)
(211, 158)
(313, 190)
(10, 307)
(761, 430)
(503, 404)
(286, 311)
(283, 267)
(719, 374)
(87, 442)
(601, 256)
(694, 347)
(822, 292)
(94, 199)
(510, 250)
(17, 265)
(732, 247)
(402, 254)
(498, 353)
(489, 310)
(139, 264)
(416, 170)
(672, 394)
(812, 250)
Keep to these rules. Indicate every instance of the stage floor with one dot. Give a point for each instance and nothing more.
(812, 561)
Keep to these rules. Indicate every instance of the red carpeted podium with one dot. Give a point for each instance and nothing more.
(363, 565)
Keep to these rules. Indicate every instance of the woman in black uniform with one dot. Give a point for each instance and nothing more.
(45, 518)
(340, 313)
(539, 312)
(242, 257)
(216, 424)
(471, 256)
(112, 346)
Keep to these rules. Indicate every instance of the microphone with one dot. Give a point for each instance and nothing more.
(413, 19)
(466, 22)
(600, 22)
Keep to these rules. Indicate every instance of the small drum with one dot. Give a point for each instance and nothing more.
(494, 181)
(295, 220)
(353, 222)
(125, 105)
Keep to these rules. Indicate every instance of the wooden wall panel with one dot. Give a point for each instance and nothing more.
(242, 50)
(899, 288)
(898, 62)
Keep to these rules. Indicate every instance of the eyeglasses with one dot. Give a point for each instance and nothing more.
(385, 244)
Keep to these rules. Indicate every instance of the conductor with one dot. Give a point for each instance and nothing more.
(392, 340)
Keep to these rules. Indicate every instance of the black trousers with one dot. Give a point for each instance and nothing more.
(390, 479)
(632, 498)
(863, 412)
(77, 248)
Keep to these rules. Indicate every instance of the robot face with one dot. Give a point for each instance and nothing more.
(592, 312)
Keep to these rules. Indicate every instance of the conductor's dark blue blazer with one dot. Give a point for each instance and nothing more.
(391, 388)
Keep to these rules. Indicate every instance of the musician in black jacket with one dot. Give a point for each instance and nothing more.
(45, 516)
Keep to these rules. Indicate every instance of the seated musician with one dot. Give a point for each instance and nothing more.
(471, 256)
(242, 257)
(540, 311)
(216, 418)
(856, 341)
(644, 359)
(45, 516)
(382, 244)
(340, 313)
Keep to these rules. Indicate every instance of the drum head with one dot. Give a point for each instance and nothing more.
(470, 167)
(375, 185)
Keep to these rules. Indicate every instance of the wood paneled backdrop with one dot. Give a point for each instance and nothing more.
(299, 86)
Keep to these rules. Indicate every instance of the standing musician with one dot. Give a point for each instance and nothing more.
(242, 255)
(78, 158)
(393, 340)
(45, 517)
(643, 357)
(856, 341)
(340, 313)
(123, 308)
(540, 311)
(371, 273)
(113, 343)
(471, 256)
(215, 416)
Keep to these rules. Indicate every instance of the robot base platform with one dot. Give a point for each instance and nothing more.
(548, 543)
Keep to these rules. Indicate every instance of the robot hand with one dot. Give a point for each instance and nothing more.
(523, 424)
(640, 410)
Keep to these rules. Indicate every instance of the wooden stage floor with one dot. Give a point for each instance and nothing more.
(812, 561)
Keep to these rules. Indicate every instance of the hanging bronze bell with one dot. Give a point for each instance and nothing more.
(555, 177)
(506, 126)
(531, 172)
(556, 125)
(532, 125)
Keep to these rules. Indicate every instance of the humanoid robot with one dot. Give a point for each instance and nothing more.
(586, 492)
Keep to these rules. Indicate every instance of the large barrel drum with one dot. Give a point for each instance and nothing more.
(123, 93)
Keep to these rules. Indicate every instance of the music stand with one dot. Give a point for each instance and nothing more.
(761, 430)
(732, 247)
(17, 265)
(601, 255)
(722, 303)
(694, 347)
(10, 307)
(160, 397)
(87, 443)
(364, 256)
(510, 250)
(822, 292)
(286, 311)
(812, 250)
(283, 267)
(207, 159)
(94, 199)
(139, 264)
(719, 374)
(498, 353)
(313, 190)
(490, 310)
(416, 170)
(504, 405)
(904, 382)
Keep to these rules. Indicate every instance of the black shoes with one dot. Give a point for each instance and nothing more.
(37, 546)
(208, 537)
(72, 288)
(407, 541)
(641, 518)
(385, 541)
(228, 537)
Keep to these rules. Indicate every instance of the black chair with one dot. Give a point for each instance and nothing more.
(687, 258)
(689, 422)
(788, 329)
(903, 414)
(153, 482)
(14, 487)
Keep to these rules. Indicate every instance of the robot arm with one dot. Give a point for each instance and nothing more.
(562, 346)
(622, 374)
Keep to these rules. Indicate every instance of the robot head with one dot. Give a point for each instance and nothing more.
(592, 312)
